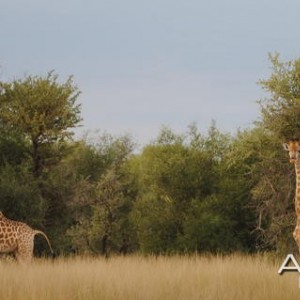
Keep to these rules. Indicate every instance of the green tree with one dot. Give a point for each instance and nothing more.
(274, 192)
(221, 220)
(175, 173)
(103, 201)
(42, 110)
(281, 110)
(36, 118)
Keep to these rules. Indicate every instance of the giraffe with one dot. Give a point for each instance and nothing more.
(18, 238)
(293, 147)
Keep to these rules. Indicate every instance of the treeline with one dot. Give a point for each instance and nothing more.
(182, 193)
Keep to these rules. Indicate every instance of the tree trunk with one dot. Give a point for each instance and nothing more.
(104, 245)
(37, 166)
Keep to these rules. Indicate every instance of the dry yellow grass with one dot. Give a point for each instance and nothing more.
(209, 278)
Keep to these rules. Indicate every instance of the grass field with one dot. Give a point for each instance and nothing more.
(209, 278)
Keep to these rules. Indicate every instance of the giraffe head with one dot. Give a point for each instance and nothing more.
(293, 147)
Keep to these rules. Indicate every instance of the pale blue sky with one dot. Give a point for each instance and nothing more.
(141, 64)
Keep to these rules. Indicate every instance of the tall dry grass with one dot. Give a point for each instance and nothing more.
(234, 277)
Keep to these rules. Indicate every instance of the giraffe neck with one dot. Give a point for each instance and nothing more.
(297, 194)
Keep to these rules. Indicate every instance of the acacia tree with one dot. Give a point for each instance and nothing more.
(42, 110)
(36, 115)
(273, 191)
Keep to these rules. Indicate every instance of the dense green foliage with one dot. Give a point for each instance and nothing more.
(182, 193)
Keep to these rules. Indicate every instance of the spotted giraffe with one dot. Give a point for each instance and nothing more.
(18, 238)
(293, 147)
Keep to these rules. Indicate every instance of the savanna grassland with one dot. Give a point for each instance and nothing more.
(137, 277)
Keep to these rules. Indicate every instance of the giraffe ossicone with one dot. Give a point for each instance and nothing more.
(18, 238)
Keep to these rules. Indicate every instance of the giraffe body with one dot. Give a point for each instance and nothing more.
(293, 147)
(18, 238)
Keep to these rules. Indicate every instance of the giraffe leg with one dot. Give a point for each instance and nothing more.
(24, 252)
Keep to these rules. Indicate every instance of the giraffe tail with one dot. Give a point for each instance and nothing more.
(45, 236)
